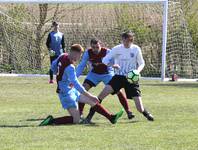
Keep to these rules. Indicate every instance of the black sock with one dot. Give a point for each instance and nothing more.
(100, 100)
(145, 112)
(92, 112)
(51, 74)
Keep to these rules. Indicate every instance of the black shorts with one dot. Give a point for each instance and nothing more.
(131, 89)
(52, 58)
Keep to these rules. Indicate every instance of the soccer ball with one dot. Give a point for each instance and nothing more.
(52, 53)
(133, 76)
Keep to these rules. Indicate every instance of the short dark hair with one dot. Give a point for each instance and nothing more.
(77, 48)
(54, 23)
(94, 41)
(127, 34)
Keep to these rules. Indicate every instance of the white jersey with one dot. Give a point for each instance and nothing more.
(127, 58)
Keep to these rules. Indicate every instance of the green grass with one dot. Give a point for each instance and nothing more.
(25, 100)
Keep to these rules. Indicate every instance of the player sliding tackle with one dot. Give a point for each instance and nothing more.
(99, 72)
(127, 57)
(71, 95)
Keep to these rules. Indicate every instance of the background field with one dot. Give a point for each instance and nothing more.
(23, 101)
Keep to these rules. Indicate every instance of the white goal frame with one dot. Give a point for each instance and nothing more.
(165, 18)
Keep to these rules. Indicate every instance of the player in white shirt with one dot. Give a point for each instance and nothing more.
(127, 56)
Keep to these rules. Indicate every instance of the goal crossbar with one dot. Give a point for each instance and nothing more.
(83, 1)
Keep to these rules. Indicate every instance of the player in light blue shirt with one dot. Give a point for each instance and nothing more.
(55, 44)
(70, 91)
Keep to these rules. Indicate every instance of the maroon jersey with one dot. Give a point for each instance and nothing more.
(63, 62)
(96, 61)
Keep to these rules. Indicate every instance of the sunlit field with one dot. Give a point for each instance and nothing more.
(24, 102)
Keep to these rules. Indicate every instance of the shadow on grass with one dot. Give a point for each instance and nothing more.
(86, 125)
(91, 125)
(16, 126)
(128, 122)
(39, 119)
(173, 84)
(26, 126)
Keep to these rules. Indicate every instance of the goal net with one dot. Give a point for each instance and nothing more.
(24, 28)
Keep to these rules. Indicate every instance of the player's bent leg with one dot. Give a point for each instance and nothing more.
(82, 105)
(86, 100)
(141, 109)
(73, 119)
(105, 92)
(139, 104)
(74, 112)
(123, 100)
(101, 110)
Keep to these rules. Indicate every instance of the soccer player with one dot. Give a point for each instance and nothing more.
(70, 95)
(127, 56)
(55, 44)
(99, 72)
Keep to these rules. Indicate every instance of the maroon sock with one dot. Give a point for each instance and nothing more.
(63, 120)
(123, 101)
(101, 110)
(81, 107)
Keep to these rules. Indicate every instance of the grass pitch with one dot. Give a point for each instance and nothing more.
(25, 101)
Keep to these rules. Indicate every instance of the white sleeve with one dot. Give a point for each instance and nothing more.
(140, 60)
(108, 58)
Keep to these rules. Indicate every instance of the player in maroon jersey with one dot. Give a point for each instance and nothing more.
(70, 96)
(99, 72)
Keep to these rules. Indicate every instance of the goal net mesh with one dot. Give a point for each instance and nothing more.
(24, 29)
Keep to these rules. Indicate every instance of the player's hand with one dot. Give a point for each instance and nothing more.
(94, 98)
(91, 97)
(116, 66)
(136, 71)
(52, 53)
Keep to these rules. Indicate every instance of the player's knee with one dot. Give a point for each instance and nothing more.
(92, 102)
(86, 86)
(109, 88)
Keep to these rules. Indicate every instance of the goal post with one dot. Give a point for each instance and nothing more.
(164, 39)
(161, 68)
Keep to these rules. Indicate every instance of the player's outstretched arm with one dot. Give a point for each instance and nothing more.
(82, 64)
(70, 70)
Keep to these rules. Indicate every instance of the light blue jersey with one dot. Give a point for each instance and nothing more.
(56, 42)
(69, 88)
